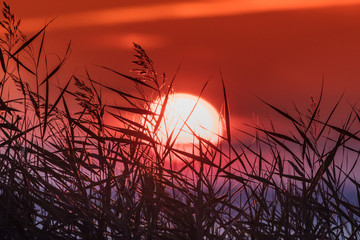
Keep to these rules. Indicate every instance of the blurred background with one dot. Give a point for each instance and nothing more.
(279, 51)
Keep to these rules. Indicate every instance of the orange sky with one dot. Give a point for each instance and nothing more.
(276, 50)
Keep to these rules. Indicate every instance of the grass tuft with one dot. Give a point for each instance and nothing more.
(67, 172)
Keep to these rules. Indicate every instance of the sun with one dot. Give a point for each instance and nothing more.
(184, 116)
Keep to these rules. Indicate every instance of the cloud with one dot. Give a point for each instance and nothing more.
(178, 10)
(125, 41)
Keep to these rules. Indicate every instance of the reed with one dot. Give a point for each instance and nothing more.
(66, 172)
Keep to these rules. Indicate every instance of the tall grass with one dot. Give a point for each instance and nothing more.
(68, 172)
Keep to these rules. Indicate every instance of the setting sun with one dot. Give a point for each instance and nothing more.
(184, 115)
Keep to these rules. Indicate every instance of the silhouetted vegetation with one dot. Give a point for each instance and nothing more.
(68, 172)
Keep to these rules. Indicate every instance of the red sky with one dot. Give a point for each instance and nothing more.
(276, 50)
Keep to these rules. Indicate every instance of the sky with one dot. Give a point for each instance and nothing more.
(278, 51)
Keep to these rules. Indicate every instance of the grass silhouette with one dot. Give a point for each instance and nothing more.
(74, 175)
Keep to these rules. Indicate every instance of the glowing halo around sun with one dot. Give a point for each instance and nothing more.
(200, 116)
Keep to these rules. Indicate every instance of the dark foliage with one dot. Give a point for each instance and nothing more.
(66, 172)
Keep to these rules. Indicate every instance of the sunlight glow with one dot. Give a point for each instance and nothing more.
(200, 116)
(177, 10)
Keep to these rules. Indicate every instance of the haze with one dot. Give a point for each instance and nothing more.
(276, 50)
